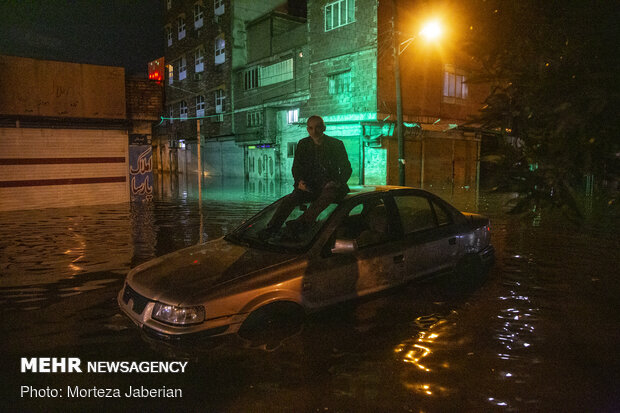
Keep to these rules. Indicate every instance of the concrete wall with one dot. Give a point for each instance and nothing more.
(59, 89)
(47, 168)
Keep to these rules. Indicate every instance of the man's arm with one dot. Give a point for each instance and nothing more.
(343, 163)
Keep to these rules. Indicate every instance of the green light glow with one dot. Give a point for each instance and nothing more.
(362, 116)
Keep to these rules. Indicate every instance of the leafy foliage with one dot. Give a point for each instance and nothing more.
(553, 70)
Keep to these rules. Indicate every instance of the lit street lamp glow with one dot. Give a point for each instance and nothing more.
(431, 30)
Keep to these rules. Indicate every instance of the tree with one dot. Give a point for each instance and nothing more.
(552, 66)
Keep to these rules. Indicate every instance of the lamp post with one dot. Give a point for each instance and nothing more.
(431, 30)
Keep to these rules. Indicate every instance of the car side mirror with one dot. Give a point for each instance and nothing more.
(344, 246)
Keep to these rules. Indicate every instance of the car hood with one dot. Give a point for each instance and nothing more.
(187, 275)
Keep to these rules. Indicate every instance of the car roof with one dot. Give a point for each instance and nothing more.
(365, 189)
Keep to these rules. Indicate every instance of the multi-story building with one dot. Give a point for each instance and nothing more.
(352, 84)
(205, 42)
(269, 91)
(255, 71)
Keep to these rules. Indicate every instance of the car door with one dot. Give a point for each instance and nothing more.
(429, 241)
(375, 263)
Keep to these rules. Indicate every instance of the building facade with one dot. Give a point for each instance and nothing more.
(285, 62)
(65, 131)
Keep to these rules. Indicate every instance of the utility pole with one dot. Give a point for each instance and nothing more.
(399, 101)
(198, 139)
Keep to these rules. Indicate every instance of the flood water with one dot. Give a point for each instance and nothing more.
(539, 333)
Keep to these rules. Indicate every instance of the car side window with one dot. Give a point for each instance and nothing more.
(415, 213)
(443, 218)
(367, 223)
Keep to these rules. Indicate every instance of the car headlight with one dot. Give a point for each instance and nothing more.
(178, 315)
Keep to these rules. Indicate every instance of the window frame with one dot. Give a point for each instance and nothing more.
(251, 78)
(200, 106)
(455, 88)
(292, 116)
(336, 8)
(198, 16)
(181, 27)
(218, 7)
(169, 35)
(199, 60)
(170, 73)
(220, 100)
(182, 67)
(338, 83)
(183, 110)
(254, 118)
(220, 52)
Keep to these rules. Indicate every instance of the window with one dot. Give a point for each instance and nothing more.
(171, 114)
(199, 59)
(198, 16)
(169, 35)
(168, 4)
(277, 72)
(250, 80)
(415, 213)
(220, 55)
(254, 118)
(170, 74)
(443, 217)
(293, 116)
(183, 110)
(182, 68)
(200, 106)
(339, 83)
(367, 223)
(181, 27)
(218, 7)
(290, 149)
(454, 85)
(339, 13)
(219, 100)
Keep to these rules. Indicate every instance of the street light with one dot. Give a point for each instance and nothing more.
(431, 30)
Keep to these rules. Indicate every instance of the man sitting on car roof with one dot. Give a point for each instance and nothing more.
(321, 169)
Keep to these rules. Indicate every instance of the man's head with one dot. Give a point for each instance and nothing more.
(315, 127)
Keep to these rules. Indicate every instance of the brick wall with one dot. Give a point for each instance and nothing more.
(144, 99)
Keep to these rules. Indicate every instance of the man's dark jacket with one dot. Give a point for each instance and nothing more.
(319, 164)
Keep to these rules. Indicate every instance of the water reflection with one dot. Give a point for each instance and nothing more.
(539, 334)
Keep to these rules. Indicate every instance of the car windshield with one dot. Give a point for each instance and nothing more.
(254, 232)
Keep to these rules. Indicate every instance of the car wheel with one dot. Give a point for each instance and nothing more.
(274, 321)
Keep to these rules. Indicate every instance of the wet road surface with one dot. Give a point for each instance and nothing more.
(538, 333)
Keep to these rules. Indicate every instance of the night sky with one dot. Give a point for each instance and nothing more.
(126, 33)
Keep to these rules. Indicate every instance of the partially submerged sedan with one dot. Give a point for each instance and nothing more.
(374, 239)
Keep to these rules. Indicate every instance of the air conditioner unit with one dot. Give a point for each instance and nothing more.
(216, 19)
(198, 32)
(197, 76)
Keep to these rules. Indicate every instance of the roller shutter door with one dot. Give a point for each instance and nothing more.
(50, 168)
